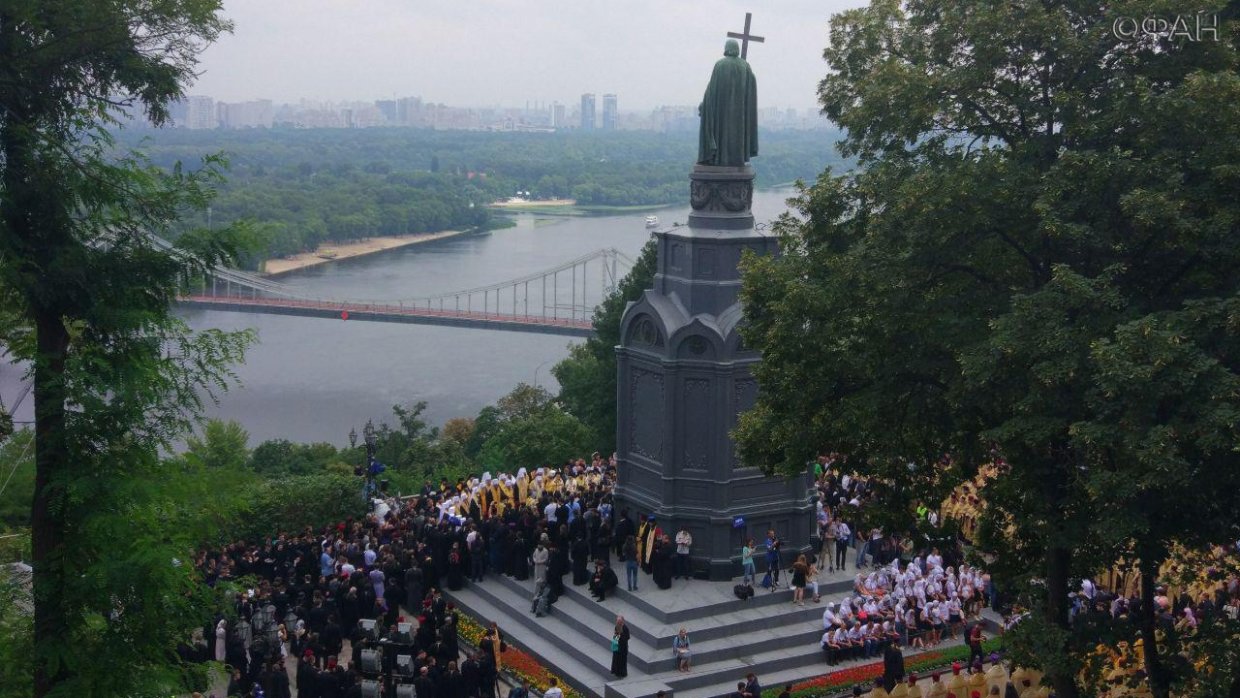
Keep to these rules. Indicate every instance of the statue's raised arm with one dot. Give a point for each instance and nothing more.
(729, 132)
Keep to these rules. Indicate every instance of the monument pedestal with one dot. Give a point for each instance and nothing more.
(685, 375)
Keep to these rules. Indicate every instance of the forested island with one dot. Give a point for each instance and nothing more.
(303, 188)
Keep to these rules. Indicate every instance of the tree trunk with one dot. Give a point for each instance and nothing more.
(48, 511)
(1057, 608)
(1160, 682)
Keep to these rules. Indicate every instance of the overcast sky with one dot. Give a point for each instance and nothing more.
(508, 52)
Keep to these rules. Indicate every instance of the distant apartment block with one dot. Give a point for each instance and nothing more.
(258, 113)
(587, 112)
(204, 112)
(609, 112)
(200, 112)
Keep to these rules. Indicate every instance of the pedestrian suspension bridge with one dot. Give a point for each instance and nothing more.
(560, 300)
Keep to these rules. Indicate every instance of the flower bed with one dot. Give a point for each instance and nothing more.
(842, 681)
(516, 661)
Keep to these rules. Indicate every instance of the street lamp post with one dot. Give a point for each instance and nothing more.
(368, 432)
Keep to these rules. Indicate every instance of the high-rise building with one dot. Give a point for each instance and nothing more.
(559, 112)
(587, 112)
(255, 114)
(200, 112)
(609, 112)
(387, 107)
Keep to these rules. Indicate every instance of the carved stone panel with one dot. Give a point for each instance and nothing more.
(646, 399)
(698, 411)
(733, 196)
(705, 263)
(744, 394)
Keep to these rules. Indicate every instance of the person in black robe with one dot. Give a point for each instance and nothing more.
(661, 564)
(487, 676)
(456, 575)
(451, 685)
(555, 574)
(423, 685)
(620, 649)
(332, 636)
(500, 541)
(279, 686)
(307, 677)
(451, 640)
(624, 529)
(329, 683)
(602, 543)
(893, 666)
(413, 588)
(603, 581)
(520, 556)
(471, 677)
(581, 561)
(237, 684)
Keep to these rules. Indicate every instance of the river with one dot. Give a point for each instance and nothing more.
(310, 379)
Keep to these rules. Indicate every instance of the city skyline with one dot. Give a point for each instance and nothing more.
(503, 53)
(197, 112)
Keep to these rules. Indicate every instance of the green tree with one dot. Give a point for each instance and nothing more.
(278, 457)
(223, 444)
(588, 376)
(16, 479)
(1036, 261)
(527, 428)
(117, 378)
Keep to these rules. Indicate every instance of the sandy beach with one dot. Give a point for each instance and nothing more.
(345, 250)
(526, 203)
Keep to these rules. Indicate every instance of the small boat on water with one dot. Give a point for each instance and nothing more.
(652, 221)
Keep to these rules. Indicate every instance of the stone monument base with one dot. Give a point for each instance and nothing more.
(721, 197)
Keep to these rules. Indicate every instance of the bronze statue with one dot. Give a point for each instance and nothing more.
(729, 132)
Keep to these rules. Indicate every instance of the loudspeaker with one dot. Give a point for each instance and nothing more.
(406, 690)
(372, 661)
(369, 628)
(370, 689)
(404, 633)
(404, 665)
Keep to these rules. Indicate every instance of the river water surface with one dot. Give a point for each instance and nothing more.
(311, 379)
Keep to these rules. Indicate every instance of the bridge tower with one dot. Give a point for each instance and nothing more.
(685, 375)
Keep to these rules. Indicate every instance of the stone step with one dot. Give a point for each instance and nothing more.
(690, 600)
(575, 639)
(805, 664)
(570, 640)
(585, 674)
(713, 639)
(656, 633)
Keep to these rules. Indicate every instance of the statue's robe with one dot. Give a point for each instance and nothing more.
(728, 135)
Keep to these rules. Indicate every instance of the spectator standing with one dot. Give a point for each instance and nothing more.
(747, 561)
(630, 562)
(773, 544)
(843, 534)
(684, 540)
(620, 649)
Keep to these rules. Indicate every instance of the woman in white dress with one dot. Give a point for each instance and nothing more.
(221, 635)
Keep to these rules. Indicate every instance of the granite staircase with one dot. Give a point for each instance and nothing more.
(766, 635)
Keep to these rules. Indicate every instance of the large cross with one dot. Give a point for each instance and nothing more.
(746, 37)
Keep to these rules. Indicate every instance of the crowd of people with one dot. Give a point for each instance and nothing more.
(313, 589)
(908, 598)
(548, 526)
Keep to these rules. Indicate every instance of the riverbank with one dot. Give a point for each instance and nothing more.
(532, 203)
(578, 210)
(332, 252)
